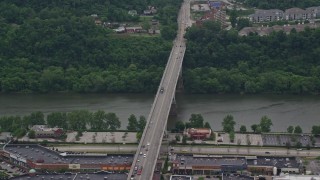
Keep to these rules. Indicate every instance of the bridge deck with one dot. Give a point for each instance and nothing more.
(148, 150)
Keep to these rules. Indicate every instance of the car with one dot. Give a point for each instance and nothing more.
(138, 160)
(146, 149)
(162, 89)
(148, 144)
(267, 152)
(144, 156)
(140, 152)
(299, 149)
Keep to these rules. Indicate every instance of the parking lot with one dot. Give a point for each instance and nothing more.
(282, 140)
(10, 169)
(103, 137)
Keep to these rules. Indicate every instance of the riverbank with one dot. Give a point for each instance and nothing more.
(284, 110)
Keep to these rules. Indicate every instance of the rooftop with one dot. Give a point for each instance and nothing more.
(35, 152)
(210, 160)
(180, 177)
(279, 162)
(69, 176)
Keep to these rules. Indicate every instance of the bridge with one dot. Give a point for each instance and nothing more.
(148, 150)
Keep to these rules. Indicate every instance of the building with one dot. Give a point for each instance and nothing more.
(216, 5)
(297, 177)
(207, 164)
(40, 158)
(265, 165)
(297, 14)
(264, 31)
(180, 177)
(133, 29)
(5, 137)
(43, 131)
(291, 14)
(74, 176)
(198, 133)
(216, 165)
(314, 11)
(266, 15)
(213, 15)
(133, 13)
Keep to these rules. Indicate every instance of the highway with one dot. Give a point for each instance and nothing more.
(232, 150)
(148, 150)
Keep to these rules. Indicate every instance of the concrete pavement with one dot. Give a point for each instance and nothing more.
(232, 150)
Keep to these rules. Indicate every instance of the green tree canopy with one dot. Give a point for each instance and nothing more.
(142, 123)
(290, 129)
(243, 129)
(265, 124)
(133, 123)
(196, 121)
(179, 126)
(297, 130)
(228, 124)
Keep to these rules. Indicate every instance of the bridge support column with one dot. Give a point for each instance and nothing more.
(180, 86)
(174, 108)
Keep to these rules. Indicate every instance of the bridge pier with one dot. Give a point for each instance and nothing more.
(180, 87)
(173, 108)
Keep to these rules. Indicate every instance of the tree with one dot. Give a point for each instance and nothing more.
(255, 127)
(179, 126)
(99, 121)
(315, 130)
(232, 136)
(142, 123)
(298, 130)
(207, 125)
(79, 119)
(290, 129)
(184, 139)
(298, 145)
(243, 129)
(133, 123)
(113, 121)
(228, 124)
(57, 119)
(196, 121)
(265, 124)
(35, 118)
(233, 17)
(138, 136)
(32, 134)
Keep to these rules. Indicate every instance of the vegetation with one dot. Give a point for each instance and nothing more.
(135, 125)
(290, 129)
(56, 46)
(282, 4)
(297, 130)
(265, 124)
(243, 129)
(79, 120)
(218, 61)
(315, 130)
(228, 124)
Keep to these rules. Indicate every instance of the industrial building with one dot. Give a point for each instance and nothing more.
(43, 159)
(216, 165)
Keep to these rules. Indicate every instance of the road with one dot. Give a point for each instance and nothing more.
(149, 147)
(232, 150)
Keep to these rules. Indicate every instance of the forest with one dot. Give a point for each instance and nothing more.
(218, 61)
(55, 46)
(280, 4)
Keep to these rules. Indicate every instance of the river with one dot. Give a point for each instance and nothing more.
(284, 110)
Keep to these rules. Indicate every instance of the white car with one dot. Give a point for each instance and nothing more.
(144, 156)
(148, 144)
